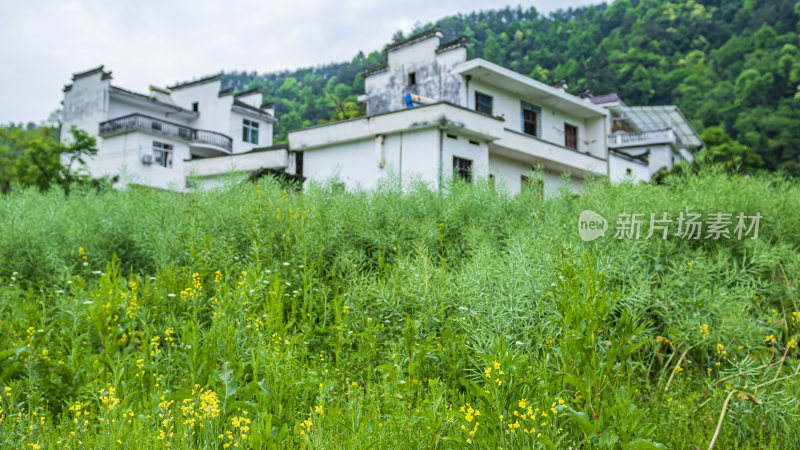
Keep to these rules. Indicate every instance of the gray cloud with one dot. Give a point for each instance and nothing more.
(159, 42)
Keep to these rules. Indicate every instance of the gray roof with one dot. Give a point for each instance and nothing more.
(650, 118)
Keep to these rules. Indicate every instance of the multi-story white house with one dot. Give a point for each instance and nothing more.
(646, 139)
(431, 113)
(158, 139)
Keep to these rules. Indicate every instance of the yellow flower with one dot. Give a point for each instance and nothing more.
(704, 330)
(496, 365)
(522, 403)
(770, 339)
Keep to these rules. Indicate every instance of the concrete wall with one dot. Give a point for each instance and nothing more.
(234, 128)
(509, 172)
(122, 155)
(86, 104)
(244, 162)
(414, 154)
(591, 135)
(434, 79)
(619, 166)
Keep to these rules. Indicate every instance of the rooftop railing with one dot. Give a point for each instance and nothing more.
(642, 138)
(141, 122)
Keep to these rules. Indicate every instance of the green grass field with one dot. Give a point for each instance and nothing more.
(253, 317)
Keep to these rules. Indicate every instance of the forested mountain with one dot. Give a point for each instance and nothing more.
(728, 63)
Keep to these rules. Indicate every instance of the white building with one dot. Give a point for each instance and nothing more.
(645, 139)
(160, 138)
(432, 113)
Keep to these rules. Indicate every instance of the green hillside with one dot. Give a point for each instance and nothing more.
(734, 64)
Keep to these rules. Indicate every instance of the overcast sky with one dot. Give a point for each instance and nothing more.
(159, 42)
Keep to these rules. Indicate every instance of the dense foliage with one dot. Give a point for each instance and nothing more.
(733, 64)
(253, 316)
(32, 155)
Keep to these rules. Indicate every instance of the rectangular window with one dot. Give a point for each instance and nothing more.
(570, 136)
(250, 131)
(462, 168)
(483, 103)
(162, 153)
(298, 163)
(530, 119)
(195, 106)
(412, 79)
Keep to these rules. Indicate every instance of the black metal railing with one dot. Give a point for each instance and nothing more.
(149, 124)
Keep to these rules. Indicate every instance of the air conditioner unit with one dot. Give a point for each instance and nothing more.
(147, 159)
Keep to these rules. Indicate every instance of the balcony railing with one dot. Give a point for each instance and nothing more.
(149, 124)
(642, 138)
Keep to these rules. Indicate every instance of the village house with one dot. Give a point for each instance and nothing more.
(430, 114)
(160, 138)
(646, 139)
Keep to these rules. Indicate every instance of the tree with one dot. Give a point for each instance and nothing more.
(722, 150)
(41, 161)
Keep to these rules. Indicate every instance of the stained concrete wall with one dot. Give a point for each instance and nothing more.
(86, 104)
(386, 90)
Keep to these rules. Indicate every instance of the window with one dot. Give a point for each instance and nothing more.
(250, 131)
(452, 136)
(162, 153)
(570, 136)
(628, 171)
(298, 163)
(195, 106)
(412, 79)
(462, 168)
(483, 103)
(530, 119)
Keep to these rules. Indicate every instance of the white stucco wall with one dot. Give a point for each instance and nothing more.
(86, 104)
(414, 154)
(619, 167)
(591, 135)
(122, 155)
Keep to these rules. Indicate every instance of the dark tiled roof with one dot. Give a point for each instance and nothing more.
(643, 157)
(225, 92)
(412, 39)
(149, 98)
(374, 69)
(207, 79)
(106, 75)
(248, 92)
(271, 147)
(460, 42)
(240, 104)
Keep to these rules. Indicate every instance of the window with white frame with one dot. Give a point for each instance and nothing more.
(250, 131)
(162, 154)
